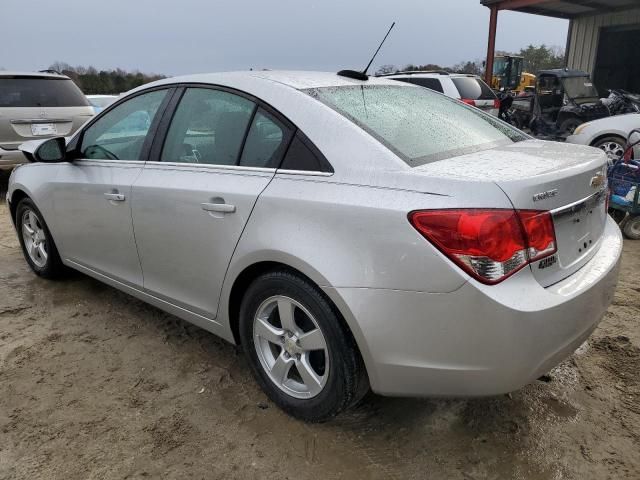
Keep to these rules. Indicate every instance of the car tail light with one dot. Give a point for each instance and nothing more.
(488, 244)
(539, 233)
(496, 103)
(468, 101)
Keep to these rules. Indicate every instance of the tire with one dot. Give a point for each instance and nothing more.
(37, 243)
(330, 357)
(569, 125)
(613, 146)
(631, 228)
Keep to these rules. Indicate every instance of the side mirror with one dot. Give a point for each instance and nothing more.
(50, 150)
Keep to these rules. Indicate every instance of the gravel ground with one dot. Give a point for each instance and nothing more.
(97, 385)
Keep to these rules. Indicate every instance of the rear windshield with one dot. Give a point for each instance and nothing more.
(40, 92)
(473, 88)
(420, 126)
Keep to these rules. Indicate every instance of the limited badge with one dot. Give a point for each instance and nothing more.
(544, 195)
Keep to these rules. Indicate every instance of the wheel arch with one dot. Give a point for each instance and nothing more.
(250, 272)
(602, 136)
(240, 285)
(16, 196)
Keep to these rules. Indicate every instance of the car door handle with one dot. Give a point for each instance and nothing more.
(116, 197)
(218, 207)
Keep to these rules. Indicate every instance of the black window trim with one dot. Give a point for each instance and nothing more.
(73, 148)
(164, 123)
(326, 169)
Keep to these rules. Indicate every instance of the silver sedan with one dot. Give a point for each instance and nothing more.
(349, 234)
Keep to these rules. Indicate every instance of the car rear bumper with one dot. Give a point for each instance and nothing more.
(11, 158)
(479, 340)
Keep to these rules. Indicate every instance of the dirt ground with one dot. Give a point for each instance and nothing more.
(97, 385)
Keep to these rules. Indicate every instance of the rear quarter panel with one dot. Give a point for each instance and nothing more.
(351, 236)
(345, 235)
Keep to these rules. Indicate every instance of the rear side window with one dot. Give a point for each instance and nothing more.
(266, 141)
(432, 83)
(208, 126)
(416, 124)
(473, 88)
(40, 92)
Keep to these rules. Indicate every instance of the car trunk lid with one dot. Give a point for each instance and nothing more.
(567, 180)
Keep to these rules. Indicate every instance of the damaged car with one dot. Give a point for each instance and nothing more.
(562, 100)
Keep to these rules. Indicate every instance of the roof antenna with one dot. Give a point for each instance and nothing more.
(363, 75)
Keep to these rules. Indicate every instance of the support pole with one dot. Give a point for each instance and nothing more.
(491, 47)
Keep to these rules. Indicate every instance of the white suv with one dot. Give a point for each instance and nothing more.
(469, 89)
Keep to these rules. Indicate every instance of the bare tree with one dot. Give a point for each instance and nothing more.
(384, 69)
(60, 66)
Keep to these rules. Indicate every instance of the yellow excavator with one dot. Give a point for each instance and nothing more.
(508, 74)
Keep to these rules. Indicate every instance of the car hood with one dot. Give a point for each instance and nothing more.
(623, 123)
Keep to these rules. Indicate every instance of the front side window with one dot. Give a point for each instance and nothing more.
(418, 125)
(208, 126)
(120, 133)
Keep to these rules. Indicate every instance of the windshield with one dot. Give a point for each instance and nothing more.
(420, 126)
(579, 87)
(499, 66)
(40, 92)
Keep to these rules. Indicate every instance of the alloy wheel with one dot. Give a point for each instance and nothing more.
(613, 150)
(291, 347)
(35, 239)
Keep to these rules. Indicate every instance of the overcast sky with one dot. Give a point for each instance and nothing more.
(189, 36)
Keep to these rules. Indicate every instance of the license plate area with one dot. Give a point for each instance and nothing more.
(579, 227)
(40, 129)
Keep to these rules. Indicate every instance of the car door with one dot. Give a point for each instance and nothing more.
(92, 194)
(195, 195)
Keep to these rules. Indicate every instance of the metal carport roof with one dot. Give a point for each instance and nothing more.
(568, 9)
(562, 8)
